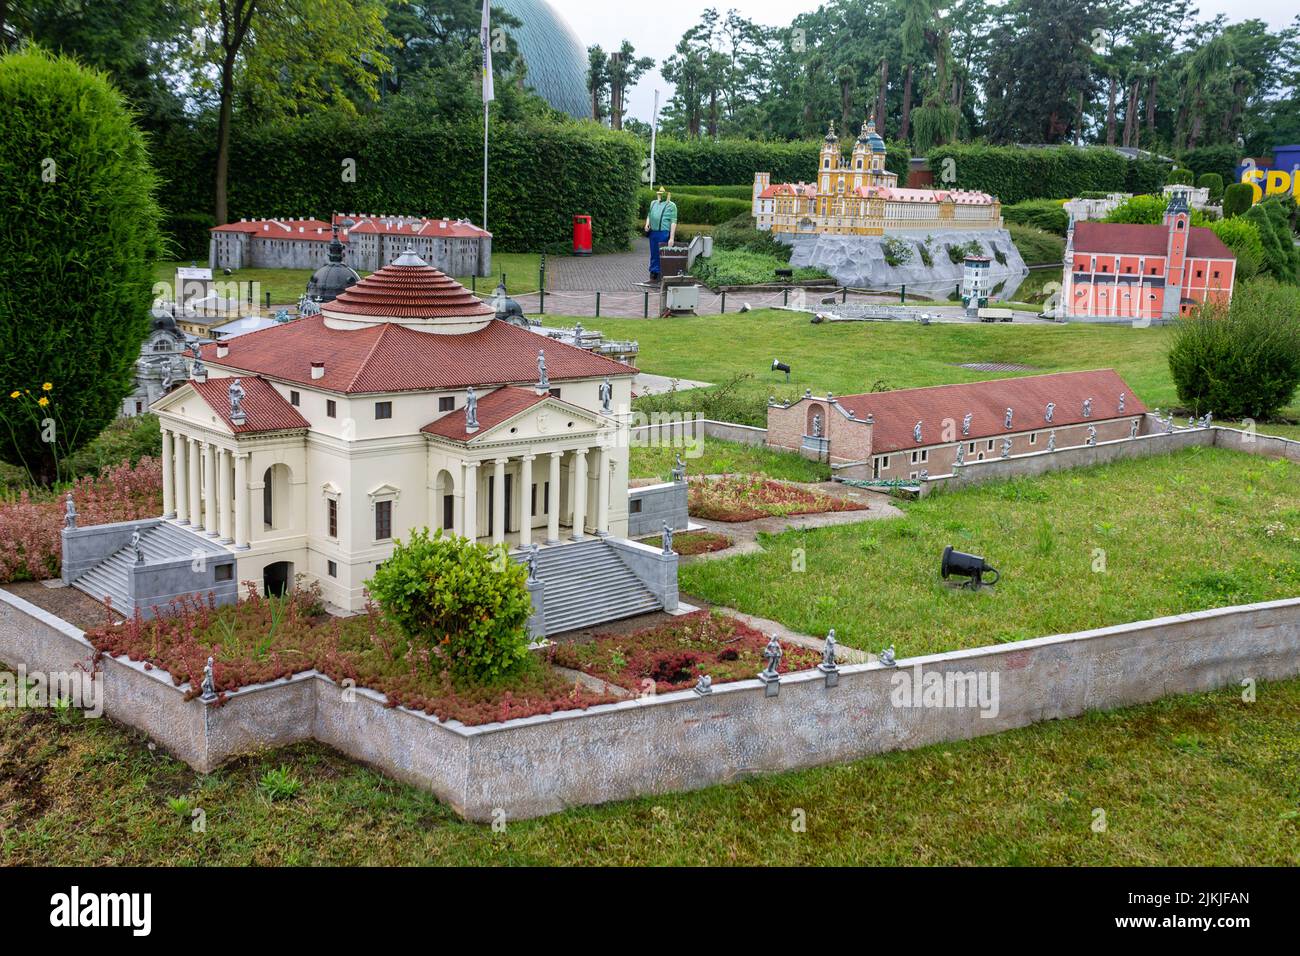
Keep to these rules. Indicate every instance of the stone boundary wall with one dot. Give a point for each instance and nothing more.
(682, 741)
(683, 434)
(650, 507)
(1082, 456)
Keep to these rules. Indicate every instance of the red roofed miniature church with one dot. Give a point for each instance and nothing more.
(1122, 272)
(901, 435)
(308, 448)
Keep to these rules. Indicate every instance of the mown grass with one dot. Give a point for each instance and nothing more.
(717, 457)
(1200, 529)
(1197, 780)
(849, 357)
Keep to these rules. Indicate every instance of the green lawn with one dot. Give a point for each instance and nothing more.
(285, 285)
(1200, 529)
(717, 457)
(1199, 780)
(850, 357)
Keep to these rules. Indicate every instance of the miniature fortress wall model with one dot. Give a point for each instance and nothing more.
(454, 246)
(905, 433)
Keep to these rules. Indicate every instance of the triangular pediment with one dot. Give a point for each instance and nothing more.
(550, 418)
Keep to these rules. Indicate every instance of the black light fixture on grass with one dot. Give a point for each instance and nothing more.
(779, 366)
(967, 566)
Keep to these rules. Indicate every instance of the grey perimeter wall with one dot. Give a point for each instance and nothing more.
(679, 741)
(650, 507)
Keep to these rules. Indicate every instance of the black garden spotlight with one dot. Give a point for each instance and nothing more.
(967, 566)
(779, 366)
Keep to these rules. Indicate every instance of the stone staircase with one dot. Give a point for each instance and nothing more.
(586, 583)
(109, 578)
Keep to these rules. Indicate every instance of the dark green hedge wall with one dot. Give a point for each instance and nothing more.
(540, 176)
(1213, 159)
(1015, 174)
(697, 209)
(729, 162)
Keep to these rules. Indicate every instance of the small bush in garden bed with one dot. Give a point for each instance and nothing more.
(747, 497)
(31, 545)
(266, 639)
(674, 655)
(695, 542)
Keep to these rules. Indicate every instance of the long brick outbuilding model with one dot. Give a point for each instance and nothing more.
(899, 434)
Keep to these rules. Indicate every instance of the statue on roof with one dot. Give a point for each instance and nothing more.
(543, 382)
(471, 410)
(236, 394)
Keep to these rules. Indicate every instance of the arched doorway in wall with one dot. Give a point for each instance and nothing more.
(277, 578)
(814, 424)
(275, 498)
(444, 502)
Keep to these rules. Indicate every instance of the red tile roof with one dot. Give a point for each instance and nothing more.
(265, 409)
(313, 229)
(493, 409)
(896, 413)
(392, 358)
(425, 228)
(408, 291)
(1135, 239)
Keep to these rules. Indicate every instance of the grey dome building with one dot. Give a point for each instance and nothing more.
(334, 276)
(556, 58)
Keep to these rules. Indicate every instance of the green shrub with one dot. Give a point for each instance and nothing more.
(957, 253)
(465, 600)
(1214, 183)
(739, 400)
(1242, 361)
(1048, 215)
(1180, 176)
(1272, 217)
(740, 233)
(1148, 210)
(729, 161)
(542, 174)
(1036, 246)
(898, 252)
(1221, 160)
(697, 208)
(1242, 237)
(1237, 198)
(79, 236)
(743, 267)
(1014, 173)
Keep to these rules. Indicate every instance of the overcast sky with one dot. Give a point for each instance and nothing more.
(655, 27)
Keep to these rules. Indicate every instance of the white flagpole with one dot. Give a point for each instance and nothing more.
(489, 94)
(654, 131)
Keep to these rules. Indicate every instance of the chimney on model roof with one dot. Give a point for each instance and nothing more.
(223, 349)
(317, 369)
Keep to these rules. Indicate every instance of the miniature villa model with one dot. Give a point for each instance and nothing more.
(309, 447)
(907, 433)
(863, 198)
(455, 246)
(1123, 271)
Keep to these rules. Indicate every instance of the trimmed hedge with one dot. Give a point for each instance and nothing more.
(1048, 215)
(726, 162)
(1015, 174)
(696, 208)
(541, 175)
(1213, 159)
(744, 191)
(1237, 198)
(1213, 182)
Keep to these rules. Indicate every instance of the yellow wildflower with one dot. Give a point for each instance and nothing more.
(42, 401)
(47, 386)
(15, 393)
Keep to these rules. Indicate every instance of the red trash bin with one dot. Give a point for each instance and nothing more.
(582, 235)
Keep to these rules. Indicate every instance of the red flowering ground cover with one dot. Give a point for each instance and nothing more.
(687, 543)
(261, 640)
(747, 497)
(674, 655)
(30, 524)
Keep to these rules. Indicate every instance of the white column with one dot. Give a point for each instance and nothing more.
(180, 475)
(210, 489)
(553, 513)
(604, 461)
(196, 493)
(499, 501)
(223, 496)
(242, 516)
(469, 501)
(525, 501)
(168, 476)
(579, 492)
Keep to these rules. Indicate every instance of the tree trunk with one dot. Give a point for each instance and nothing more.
(220, 211)
(880, 98)
(1111, 95)
(713, 113)
(1130, 107)
(905, 127)
(1151, 105)
(615, 104)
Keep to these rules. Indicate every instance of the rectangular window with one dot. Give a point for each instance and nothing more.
(990, 444)
(225, 572)
(546, 497)
(884, 462)
(971, 449)
(532, 499)
(446, 403)
(634, 506)
(383, 520)
(331, 408)
(925, 456)
(1033, 438)
(332, 511)
(294, 398)
(383, 410)
(332, 568)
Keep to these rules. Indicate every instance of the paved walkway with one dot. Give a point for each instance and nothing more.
(612, 271)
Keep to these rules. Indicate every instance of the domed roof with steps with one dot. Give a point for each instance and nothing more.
(412, 293)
